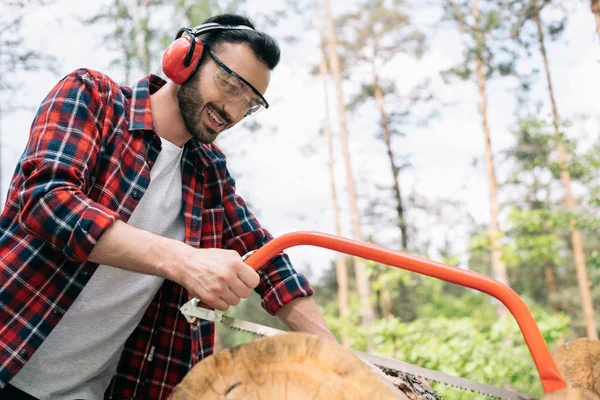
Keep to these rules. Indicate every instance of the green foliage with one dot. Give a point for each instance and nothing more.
(485, 39)
(477, 347)
(521, 14)
(437, 298)
(534, 237)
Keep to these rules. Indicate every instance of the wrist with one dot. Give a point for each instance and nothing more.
(168, 258)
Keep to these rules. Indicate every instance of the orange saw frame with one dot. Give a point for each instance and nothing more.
(548, 372)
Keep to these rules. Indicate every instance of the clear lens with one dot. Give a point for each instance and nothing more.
(235, 90)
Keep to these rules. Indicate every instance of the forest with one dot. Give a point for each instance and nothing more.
(527, 214)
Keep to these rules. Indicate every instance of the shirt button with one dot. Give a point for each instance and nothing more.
(23, 353)
(56, 312)
(195, 225)
(135, 194)
(84, 274)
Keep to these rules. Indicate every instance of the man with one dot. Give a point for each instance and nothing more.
(120, 210)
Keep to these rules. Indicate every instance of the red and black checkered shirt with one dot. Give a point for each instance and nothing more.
(86, 164)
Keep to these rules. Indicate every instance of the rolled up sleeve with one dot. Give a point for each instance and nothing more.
(279, 283)
(60, 156)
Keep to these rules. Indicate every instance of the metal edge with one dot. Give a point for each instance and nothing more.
(441, 377)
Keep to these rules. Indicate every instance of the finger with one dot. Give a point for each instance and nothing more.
(230, 298)
(248, 275)
(240, 289)
(219, 305)
(215, 302)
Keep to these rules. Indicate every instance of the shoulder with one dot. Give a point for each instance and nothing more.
(94, 81)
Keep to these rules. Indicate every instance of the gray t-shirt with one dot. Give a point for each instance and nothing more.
(78, 359)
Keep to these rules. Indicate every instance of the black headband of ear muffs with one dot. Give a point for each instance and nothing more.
(190, 53)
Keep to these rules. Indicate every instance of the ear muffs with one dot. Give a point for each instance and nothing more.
(182, 57)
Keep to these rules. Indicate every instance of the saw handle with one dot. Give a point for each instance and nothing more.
(549, 374)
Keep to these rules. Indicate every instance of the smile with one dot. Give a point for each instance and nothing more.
(214, 117)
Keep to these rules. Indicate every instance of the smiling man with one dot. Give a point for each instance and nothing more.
(121, 208)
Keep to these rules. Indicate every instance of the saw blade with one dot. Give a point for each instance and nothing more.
(190, 310)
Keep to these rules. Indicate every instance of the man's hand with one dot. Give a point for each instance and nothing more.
(219, 278)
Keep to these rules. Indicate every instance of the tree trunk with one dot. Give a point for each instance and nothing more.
(340, 267)
(551, 285)
(395, 171)
(595, 5)
(498, 268)
(139, 17)
(576, 238)
(386, 303)
(362, 282)
(550, 280)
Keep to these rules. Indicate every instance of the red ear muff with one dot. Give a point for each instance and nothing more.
(182, 57)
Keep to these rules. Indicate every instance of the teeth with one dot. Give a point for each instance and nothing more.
(214, 116)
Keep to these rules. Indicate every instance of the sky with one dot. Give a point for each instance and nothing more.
(282, 169)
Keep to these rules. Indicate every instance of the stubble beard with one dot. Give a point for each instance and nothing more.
(191, 105)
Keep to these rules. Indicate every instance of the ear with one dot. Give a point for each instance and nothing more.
(181, 58)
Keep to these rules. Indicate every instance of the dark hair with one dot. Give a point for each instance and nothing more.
(265, 47)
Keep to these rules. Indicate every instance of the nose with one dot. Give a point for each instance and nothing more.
(236, 109)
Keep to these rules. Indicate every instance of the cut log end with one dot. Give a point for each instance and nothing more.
(571, 394)
(288, 367)
(579, 363)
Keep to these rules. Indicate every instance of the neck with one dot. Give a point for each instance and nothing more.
(166, 116)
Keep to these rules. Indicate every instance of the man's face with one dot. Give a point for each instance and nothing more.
(206, 106)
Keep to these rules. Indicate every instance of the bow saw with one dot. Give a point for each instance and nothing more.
(550, 377)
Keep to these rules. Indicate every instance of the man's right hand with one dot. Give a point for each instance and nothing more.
(219, 278)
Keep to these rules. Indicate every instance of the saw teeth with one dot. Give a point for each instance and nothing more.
(245, 331)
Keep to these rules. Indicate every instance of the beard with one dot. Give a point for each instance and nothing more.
(191, 105)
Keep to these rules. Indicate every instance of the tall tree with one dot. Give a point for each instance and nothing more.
(362, 281)
(479, 29)
(340, 265)
(139, 12)
(534, 247)
(527, 13)
(377, 32)
(130, 35)
(530, 10)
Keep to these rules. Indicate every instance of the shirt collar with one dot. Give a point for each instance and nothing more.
(141, 114)
(140, 117)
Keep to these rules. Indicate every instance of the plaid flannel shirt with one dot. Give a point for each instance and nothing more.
(86, 164)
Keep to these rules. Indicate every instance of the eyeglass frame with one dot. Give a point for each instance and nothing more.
(235, 74)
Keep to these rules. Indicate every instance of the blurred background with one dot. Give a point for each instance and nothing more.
(463, 131)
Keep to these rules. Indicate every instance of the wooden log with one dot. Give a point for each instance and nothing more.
(571, 394)
(293, 366)
(579, 363)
